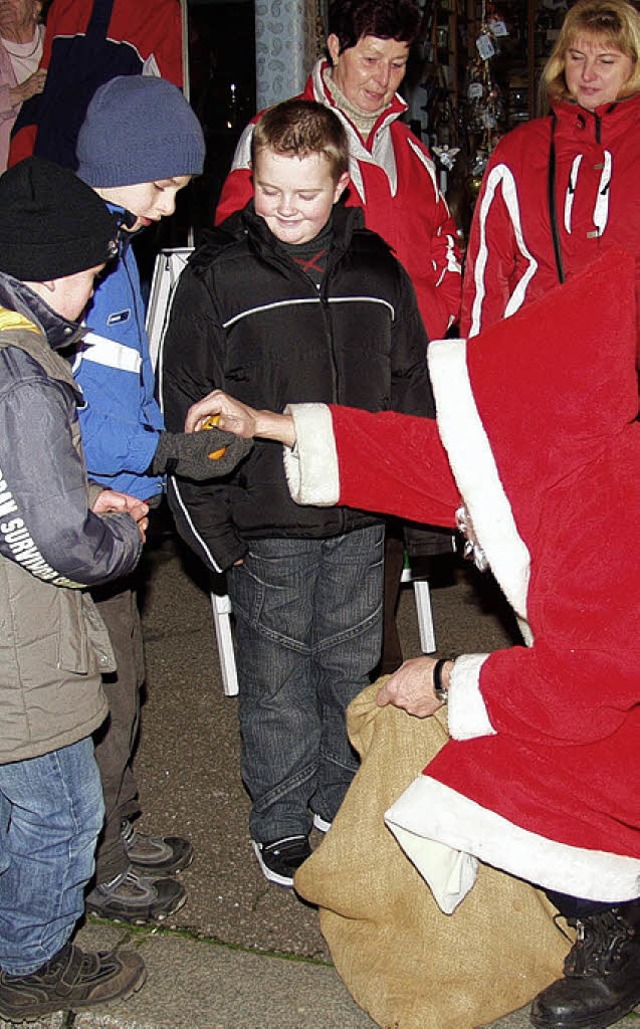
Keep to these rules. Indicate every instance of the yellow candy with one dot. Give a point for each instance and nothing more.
(210, 423)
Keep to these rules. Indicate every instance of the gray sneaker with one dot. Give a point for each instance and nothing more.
(135, 898)
(71, 979)
(155, 855)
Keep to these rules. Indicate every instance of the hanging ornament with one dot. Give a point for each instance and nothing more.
(485, 102)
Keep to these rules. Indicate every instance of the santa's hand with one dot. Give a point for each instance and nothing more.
(231, 415)
(411, 688)
(239, 418)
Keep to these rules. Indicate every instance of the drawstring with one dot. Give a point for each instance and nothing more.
(551, 197)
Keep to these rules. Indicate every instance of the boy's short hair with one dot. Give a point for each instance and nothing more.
(298, 128)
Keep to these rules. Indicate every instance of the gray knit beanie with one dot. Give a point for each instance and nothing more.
(138, 128)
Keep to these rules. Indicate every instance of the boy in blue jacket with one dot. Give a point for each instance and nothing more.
(139, 145)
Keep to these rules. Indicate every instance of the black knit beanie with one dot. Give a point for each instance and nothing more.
(51, 223)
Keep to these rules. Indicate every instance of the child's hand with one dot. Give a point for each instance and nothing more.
(110, 501)
(208, 454)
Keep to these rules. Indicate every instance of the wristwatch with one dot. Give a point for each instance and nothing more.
(441, 691)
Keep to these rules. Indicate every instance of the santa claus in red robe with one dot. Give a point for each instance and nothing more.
(536, 456)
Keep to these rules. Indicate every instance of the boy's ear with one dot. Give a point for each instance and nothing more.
(341, 185)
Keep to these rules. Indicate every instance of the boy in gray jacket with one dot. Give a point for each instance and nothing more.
(58, 535)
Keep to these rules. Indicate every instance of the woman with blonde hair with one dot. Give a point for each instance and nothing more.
(562, 189)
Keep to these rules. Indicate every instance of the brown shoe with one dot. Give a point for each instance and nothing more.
(71, 979)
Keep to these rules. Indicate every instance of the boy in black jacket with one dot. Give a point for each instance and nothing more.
(293, 301)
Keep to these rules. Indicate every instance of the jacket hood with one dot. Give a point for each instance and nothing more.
(536, 400)
(16, 296)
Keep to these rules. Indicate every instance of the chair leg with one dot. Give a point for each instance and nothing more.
(221, 607)
(425, 615)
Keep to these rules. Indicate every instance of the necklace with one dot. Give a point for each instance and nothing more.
(19, 47)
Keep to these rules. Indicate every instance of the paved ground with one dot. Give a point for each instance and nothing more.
(242, 954)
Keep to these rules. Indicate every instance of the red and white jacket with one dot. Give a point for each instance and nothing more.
(510, 259)
(393, 179)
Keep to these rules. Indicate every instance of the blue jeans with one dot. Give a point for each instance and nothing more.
(309, 631)
(51, 812)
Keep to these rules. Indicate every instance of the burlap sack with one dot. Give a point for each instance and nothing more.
(405, 962)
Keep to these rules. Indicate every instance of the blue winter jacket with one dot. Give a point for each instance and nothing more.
(121, 420)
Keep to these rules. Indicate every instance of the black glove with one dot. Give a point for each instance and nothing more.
(190, 454)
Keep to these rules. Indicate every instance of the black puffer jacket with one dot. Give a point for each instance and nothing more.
(248, 320)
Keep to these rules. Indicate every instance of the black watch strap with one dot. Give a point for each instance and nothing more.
(439, 688)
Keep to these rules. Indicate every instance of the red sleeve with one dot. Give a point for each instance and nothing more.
(168, 43)
(394, 464)
(440, 305)
(22, 144)
(153, 27)
(236, 192)
(557, 693)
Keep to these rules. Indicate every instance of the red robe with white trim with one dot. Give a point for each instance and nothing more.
(542, 776)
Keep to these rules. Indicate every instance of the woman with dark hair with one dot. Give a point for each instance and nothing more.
(561, 189)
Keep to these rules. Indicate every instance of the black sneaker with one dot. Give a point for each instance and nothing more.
(320, 823)
(136, 899)
(156, 855)
(71, 979)
(280, 859)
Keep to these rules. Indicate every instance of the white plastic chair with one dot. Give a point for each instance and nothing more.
(422, 595)
(221, 608)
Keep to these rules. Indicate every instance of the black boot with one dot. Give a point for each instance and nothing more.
(601, 981)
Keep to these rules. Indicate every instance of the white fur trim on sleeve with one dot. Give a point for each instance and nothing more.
(466, 712)
(311, 467)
